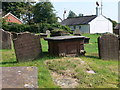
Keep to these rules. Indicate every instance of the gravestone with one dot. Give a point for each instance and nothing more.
(27, 46)
(19, 77)
(48, 32)
(5, 40)
(109, 47)
(77, 32)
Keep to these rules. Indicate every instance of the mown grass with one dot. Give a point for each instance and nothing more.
(107, 71)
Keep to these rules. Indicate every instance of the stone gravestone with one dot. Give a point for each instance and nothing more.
(27, 46)
(77, 32)
(48, 32)
(109, 47)
(19, 77)
(5, 40)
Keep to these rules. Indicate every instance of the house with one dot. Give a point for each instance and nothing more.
(11, 18)
(117, 29)
(89, 24)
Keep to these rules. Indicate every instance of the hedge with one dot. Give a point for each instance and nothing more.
(34, 28)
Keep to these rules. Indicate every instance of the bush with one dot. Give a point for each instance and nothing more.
(34, 28)
(59, 32)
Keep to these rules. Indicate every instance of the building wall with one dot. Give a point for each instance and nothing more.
(119, 12)
(82, 28)
(101, 25)
(10, 18)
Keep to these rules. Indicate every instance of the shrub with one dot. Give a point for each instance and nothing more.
(34, 28)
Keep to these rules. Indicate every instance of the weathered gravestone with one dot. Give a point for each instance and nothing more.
(27, 47)
(48, 32)
(109, 47)
(19, 77)
(77, 32)
(5, 40)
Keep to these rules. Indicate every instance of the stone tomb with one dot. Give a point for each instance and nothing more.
(27, 46)
(19, 77)
(109, 47)
(66, 45)
(5, 40)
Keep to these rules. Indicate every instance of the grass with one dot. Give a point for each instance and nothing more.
(106, 71)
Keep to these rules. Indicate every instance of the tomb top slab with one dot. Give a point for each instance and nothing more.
(19, 77)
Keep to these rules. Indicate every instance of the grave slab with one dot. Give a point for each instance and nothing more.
(109, 47)
(27, 47)
(5, 40)
(19, 77)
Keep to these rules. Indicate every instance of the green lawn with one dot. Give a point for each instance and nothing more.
(106, 71)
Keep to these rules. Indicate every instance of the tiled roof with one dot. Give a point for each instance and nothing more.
(78, 20)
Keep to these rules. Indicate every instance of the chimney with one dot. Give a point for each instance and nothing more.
(96, 11)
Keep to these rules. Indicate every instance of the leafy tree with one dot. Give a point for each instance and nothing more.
(71, 14)
(13, 7)
(44, 13)
(27, 15)
(21, 10)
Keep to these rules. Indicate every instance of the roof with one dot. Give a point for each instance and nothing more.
(117, 26)
(13, 16)
(78, 20)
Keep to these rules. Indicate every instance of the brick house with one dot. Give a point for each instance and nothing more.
(11, 18)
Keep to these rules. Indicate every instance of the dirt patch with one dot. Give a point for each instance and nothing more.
(64, 81)
(64, 71)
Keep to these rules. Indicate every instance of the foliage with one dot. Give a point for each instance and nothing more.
(44, 13)
(22, 10)
(71, 14)
(113, 21)
(34, 28)
(13, 7)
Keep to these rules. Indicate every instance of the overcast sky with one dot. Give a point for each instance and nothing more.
(86, 7)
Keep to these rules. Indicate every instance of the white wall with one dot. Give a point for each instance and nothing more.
(119, 12)
(101, 25)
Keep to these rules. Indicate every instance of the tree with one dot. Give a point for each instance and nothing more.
(27, 15)
(22, 10)
(71, 14)
(113, 21)
(13, 7)
(43, 12)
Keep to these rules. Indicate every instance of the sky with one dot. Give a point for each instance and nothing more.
(86, 7)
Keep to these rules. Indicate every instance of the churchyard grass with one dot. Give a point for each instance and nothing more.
(106, 71)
